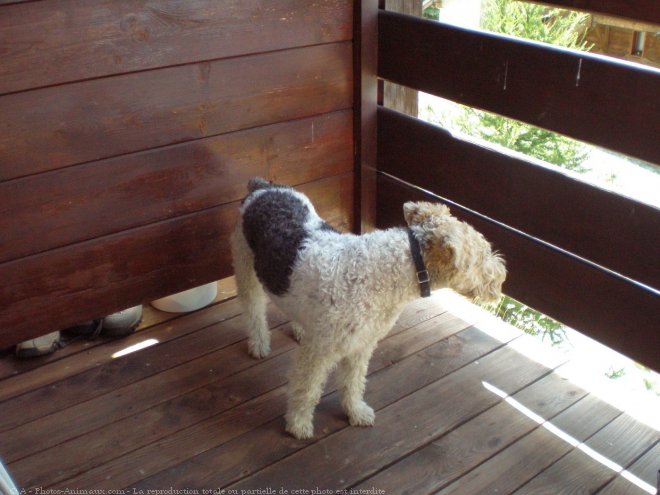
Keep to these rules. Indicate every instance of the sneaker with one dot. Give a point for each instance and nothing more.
(40, 346)
(123, 322)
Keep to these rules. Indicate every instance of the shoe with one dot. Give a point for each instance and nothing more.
(40, 346)
(123, 322)
(88, 329)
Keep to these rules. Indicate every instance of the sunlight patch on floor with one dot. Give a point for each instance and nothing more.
(587, 361)
(134, 348)
(574, 442)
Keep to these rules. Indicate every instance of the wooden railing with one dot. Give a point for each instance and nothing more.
(587, 257)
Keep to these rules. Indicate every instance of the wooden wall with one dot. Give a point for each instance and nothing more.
(128, 130)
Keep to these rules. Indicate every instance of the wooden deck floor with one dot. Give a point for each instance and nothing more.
(458, 411)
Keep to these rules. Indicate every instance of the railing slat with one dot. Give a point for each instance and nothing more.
(610, 309)
(642, 10)
(591, 222)
(609, 103)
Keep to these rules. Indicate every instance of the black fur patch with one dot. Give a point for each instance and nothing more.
(273, 225)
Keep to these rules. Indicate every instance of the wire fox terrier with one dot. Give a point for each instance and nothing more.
(344, 292)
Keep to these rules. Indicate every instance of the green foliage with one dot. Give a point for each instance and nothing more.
(432, 13)
(527, 319)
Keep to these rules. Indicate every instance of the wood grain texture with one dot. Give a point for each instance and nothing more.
(605, 102)
(642, 10)
(81, 390)
(550, 205)
(403, 426)
(236, 383)
(615, 312)
(228, 462)
(201, 441)
(644, 468)
(100, 276)
(59, 126)
(62, 207)
(27, 376)
(579, 472)
(54, 42)
(449, 457)
(365, 87)
(524, 459)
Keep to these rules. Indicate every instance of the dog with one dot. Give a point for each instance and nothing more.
(344, 292)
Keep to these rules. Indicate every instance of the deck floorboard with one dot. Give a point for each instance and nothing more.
(459, 410)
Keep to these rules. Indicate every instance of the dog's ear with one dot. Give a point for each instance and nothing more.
(421, 211)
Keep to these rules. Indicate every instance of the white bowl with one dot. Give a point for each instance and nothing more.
(188, 300)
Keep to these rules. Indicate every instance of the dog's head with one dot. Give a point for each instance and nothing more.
(456, 255)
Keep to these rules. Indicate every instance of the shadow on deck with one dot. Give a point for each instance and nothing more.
(459, 410)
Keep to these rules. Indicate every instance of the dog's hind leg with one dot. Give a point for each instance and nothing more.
(306, 380)
(351, 381)
(251, 294)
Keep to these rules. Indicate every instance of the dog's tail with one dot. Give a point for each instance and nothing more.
(257, 183)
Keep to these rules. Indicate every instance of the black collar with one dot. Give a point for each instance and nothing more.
(420, 268)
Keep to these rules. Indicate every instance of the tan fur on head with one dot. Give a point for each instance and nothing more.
(456, 255)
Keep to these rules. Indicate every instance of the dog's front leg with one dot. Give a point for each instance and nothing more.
(306, 381)
(351, 381)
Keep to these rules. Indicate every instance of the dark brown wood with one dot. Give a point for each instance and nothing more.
(79, 393)
(230, 428)
(24, 376)
(241, 382)
(107, 274)
(398, 97)
(365, 60)
(220, 467)
(643, 10)
(45, 43)
(225, 428)
(605, 102)
(404, 425)
(616, 312)
(524, 459)
(95, 199)
(60, 126)
(537, 200)
(439, 463)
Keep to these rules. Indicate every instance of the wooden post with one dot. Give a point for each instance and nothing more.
(365, 76)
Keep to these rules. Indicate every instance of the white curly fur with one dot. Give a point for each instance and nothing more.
(345, 293)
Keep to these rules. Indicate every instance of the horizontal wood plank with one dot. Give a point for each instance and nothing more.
(27, 376)
(221, 465)
(441, 462)
(80, 390)
(642, 10)
(403, 426)
(224, 428)
(104, 275)
(99, 198)
(537, 200)
(602, 101)
(613, 311)
(59, 126)
(53, 42)
(586, 474)
(505, 472)
(645, 468)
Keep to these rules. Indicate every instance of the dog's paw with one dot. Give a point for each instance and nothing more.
(258, 349)
(297, 331)
(363, 415)
(300, 430)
